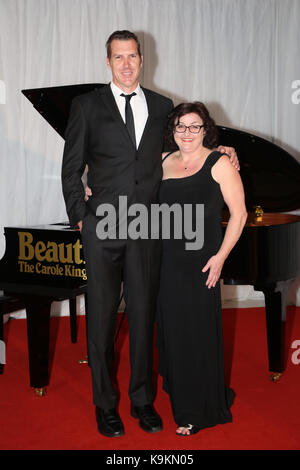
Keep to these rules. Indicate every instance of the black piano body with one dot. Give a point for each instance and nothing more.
(43, 256)
(43, 264)
(267, 255)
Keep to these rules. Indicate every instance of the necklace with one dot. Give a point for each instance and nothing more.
(187, 166)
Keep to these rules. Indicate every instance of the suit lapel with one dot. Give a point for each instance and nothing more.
(110, 102)
(151, 113)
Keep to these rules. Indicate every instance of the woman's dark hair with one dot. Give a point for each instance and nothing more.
(211, 133)
(123, 35)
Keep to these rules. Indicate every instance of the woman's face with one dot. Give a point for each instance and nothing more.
(189, 140)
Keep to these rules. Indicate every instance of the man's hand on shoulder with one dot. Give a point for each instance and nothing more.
(230, 151)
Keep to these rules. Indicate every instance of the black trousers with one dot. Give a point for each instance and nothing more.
(136, 263)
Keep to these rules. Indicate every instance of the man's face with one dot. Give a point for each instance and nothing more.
(125, 64)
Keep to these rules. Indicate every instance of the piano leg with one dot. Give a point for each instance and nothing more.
(38, 332)
(85, 360)
(73, 319)
(275, 302)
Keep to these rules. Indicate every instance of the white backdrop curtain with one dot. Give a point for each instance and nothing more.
(240, 57)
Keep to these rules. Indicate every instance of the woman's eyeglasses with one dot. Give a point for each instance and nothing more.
(194, 128)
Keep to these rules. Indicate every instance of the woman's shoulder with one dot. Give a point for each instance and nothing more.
(222, 159)
(166, 155)
(217, 157)
(223, 169)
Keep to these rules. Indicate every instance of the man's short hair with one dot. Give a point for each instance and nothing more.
(122, 36)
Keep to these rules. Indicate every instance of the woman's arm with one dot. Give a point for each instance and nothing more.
(233, 193)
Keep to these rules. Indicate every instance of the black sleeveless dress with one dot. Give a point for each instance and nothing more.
(189, 322)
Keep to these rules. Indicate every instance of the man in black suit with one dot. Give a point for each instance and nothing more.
(117, 131)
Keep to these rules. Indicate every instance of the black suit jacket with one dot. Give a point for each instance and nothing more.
(97, 136)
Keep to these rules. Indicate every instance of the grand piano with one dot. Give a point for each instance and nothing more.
(45, 263)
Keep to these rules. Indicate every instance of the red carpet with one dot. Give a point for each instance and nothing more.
(266, 415)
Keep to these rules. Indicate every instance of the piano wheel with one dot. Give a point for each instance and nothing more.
(275, 376)
(83, 361)
(40, 392)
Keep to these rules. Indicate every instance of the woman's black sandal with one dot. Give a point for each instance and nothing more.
(192, 428)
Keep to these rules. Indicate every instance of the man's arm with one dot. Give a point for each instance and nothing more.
(74, 162)
(170, 108)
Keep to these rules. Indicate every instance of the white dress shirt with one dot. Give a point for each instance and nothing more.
(139, 108)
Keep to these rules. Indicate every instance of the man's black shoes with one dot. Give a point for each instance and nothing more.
(109, 422)
(149, 420)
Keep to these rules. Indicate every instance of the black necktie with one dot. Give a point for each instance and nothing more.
(129, 121)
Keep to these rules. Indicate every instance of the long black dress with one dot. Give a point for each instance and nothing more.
(189, 323)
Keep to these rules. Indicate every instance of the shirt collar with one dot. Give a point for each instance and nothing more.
(117, 91)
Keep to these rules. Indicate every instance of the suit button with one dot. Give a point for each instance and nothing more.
(136, 182)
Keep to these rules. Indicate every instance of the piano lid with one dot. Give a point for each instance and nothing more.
(271, 176)
(54, 103)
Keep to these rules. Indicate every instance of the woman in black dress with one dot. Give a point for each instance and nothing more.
(189, 323)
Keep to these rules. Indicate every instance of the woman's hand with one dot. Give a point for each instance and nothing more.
(214, 265)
